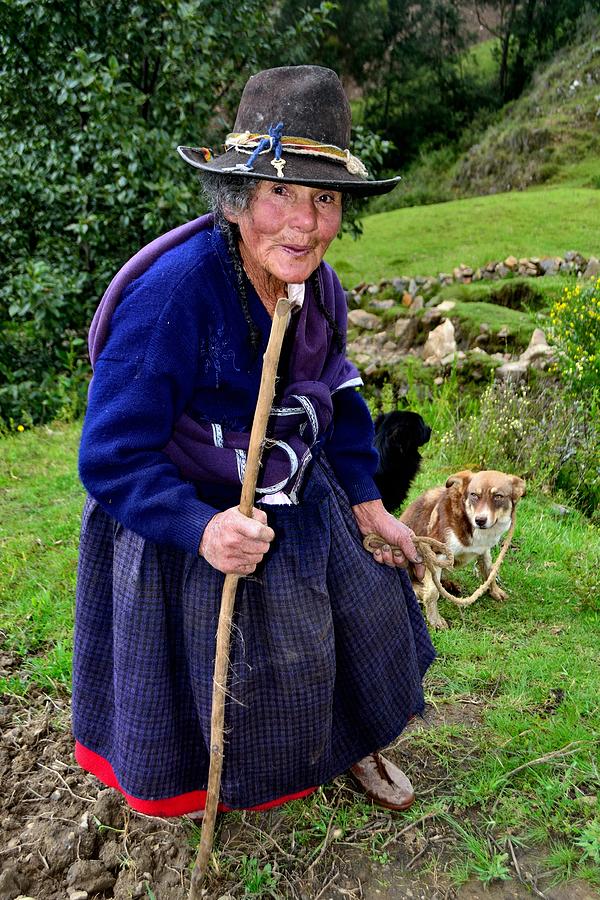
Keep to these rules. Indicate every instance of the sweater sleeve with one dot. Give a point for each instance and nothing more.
(349, 446)
(134, 401)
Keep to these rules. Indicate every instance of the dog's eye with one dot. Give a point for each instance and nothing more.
(473, 497)
(499, 499)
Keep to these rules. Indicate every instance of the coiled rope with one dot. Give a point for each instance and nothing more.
(436, 555)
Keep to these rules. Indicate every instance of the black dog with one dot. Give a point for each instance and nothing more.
(398, 435)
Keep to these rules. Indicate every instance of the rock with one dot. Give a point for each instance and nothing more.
(417, 304)
(503, 333)
(59, 846)
(110, 854)
(592, 270)
(510, 262)
(75, 894)
(502, 270)
(431, 316)
(444, 278)
(559, 510)
(446, 306)
(538, 348)
(362, 359)
(389, 346)
(382, 304)
(405, 331)
(373, 289)
(399, 284)
(412, 287)
(371, 369)
(514, 370)
(439, 380)
(452, 358)
(108, 808)
(407, 299)
(90, 875)
(440, 342)
(550, 265)
(10, 885)
(362, 319)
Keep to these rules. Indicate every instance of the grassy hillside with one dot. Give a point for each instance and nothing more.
(426, 240)
(550, 135)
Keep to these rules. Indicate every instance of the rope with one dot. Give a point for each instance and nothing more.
(431, 550)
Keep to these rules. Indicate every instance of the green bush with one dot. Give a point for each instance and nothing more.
(575, 330)
(540, 431)
(94, 98)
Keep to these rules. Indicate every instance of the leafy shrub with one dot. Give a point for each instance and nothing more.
(94, 98)
(575, 330)
(540, 432)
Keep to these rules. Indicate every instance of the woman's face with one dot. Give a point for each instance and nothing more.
(287, 228)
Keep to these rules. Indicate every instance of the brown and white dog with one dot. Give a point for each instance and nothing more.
(470, 515)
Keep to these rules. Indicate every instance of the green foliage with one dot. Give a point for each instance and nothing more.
(576, 332)
(540, 432)
(94, 98)
(258, 881)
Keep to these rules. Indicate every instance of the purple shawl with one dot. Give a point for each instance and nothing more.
(203, 451)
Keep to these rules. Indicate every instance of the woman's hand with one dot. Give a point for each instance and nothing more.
(372, 516)
(235, 544)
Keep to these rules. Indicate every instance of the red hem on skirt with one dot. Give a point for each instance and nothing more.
(193, 801)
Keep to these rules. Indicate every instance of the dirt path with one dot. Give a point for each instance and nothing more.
(65, 836)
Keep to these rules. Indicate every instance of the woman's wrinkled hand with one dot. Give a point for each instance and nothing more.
(372, 516)
(235, 544)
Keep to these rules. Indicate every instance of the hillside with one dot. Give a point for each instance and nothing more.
(549, 136)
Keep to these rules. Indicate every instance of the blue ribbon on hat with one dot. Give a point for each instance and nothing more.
(272, 142)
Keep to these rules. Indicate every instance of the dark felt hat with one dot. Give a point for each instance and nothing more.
(292, 125)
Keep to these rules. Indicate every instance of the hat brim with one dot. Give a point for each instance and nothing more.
(311, 171)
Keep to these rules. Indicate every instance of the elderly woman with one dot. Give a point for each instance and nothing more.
(328, 646)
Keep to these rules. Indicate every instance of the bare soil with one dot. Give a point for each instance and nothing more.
(66, 836)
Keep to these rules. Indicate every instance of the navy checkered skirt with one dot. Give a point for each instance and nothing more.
(328, 650)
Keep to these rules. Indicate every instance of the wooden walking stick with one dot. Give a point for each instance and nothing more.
(266, 393)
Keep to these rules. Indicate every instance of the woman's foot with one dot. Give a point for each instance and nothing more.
(383, 782)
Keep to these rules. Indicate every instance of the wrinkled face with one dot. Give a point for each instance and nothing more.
(287, 229)
(489, 497)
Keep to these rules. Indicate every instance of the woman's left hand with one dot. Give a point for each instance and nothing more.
(372, 516)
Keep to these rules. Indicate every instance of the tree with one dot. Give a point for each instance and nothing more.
(529, 31)
(94, 98)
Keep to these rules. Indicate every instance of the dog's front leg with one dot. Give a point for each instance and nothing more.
(428, 594)
(484, 567)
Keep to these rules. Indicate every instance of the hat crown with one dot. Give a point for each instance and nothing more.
(309, 100)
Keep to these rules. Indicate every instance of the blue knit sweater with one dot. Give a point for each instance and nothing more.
(179, 342)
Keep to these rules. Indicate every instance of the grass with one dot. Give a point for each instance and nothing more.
(427, 240)
(511, 760)
(41, 501)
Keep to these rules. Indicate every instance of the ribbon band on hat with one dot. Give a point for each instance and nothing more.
(255, 144)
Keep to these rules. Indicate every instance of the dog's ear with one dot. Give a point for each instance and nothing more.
(459, 479)
(518, 486)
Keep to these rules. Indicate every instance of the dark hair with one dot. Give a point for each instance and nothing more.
(226, 193)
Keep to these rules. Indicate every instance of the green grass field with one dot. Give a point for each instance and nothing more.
(426, 240)
(520, 761)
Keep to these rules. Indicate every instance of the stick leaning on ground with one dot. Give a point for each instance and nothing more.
(266, 393)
